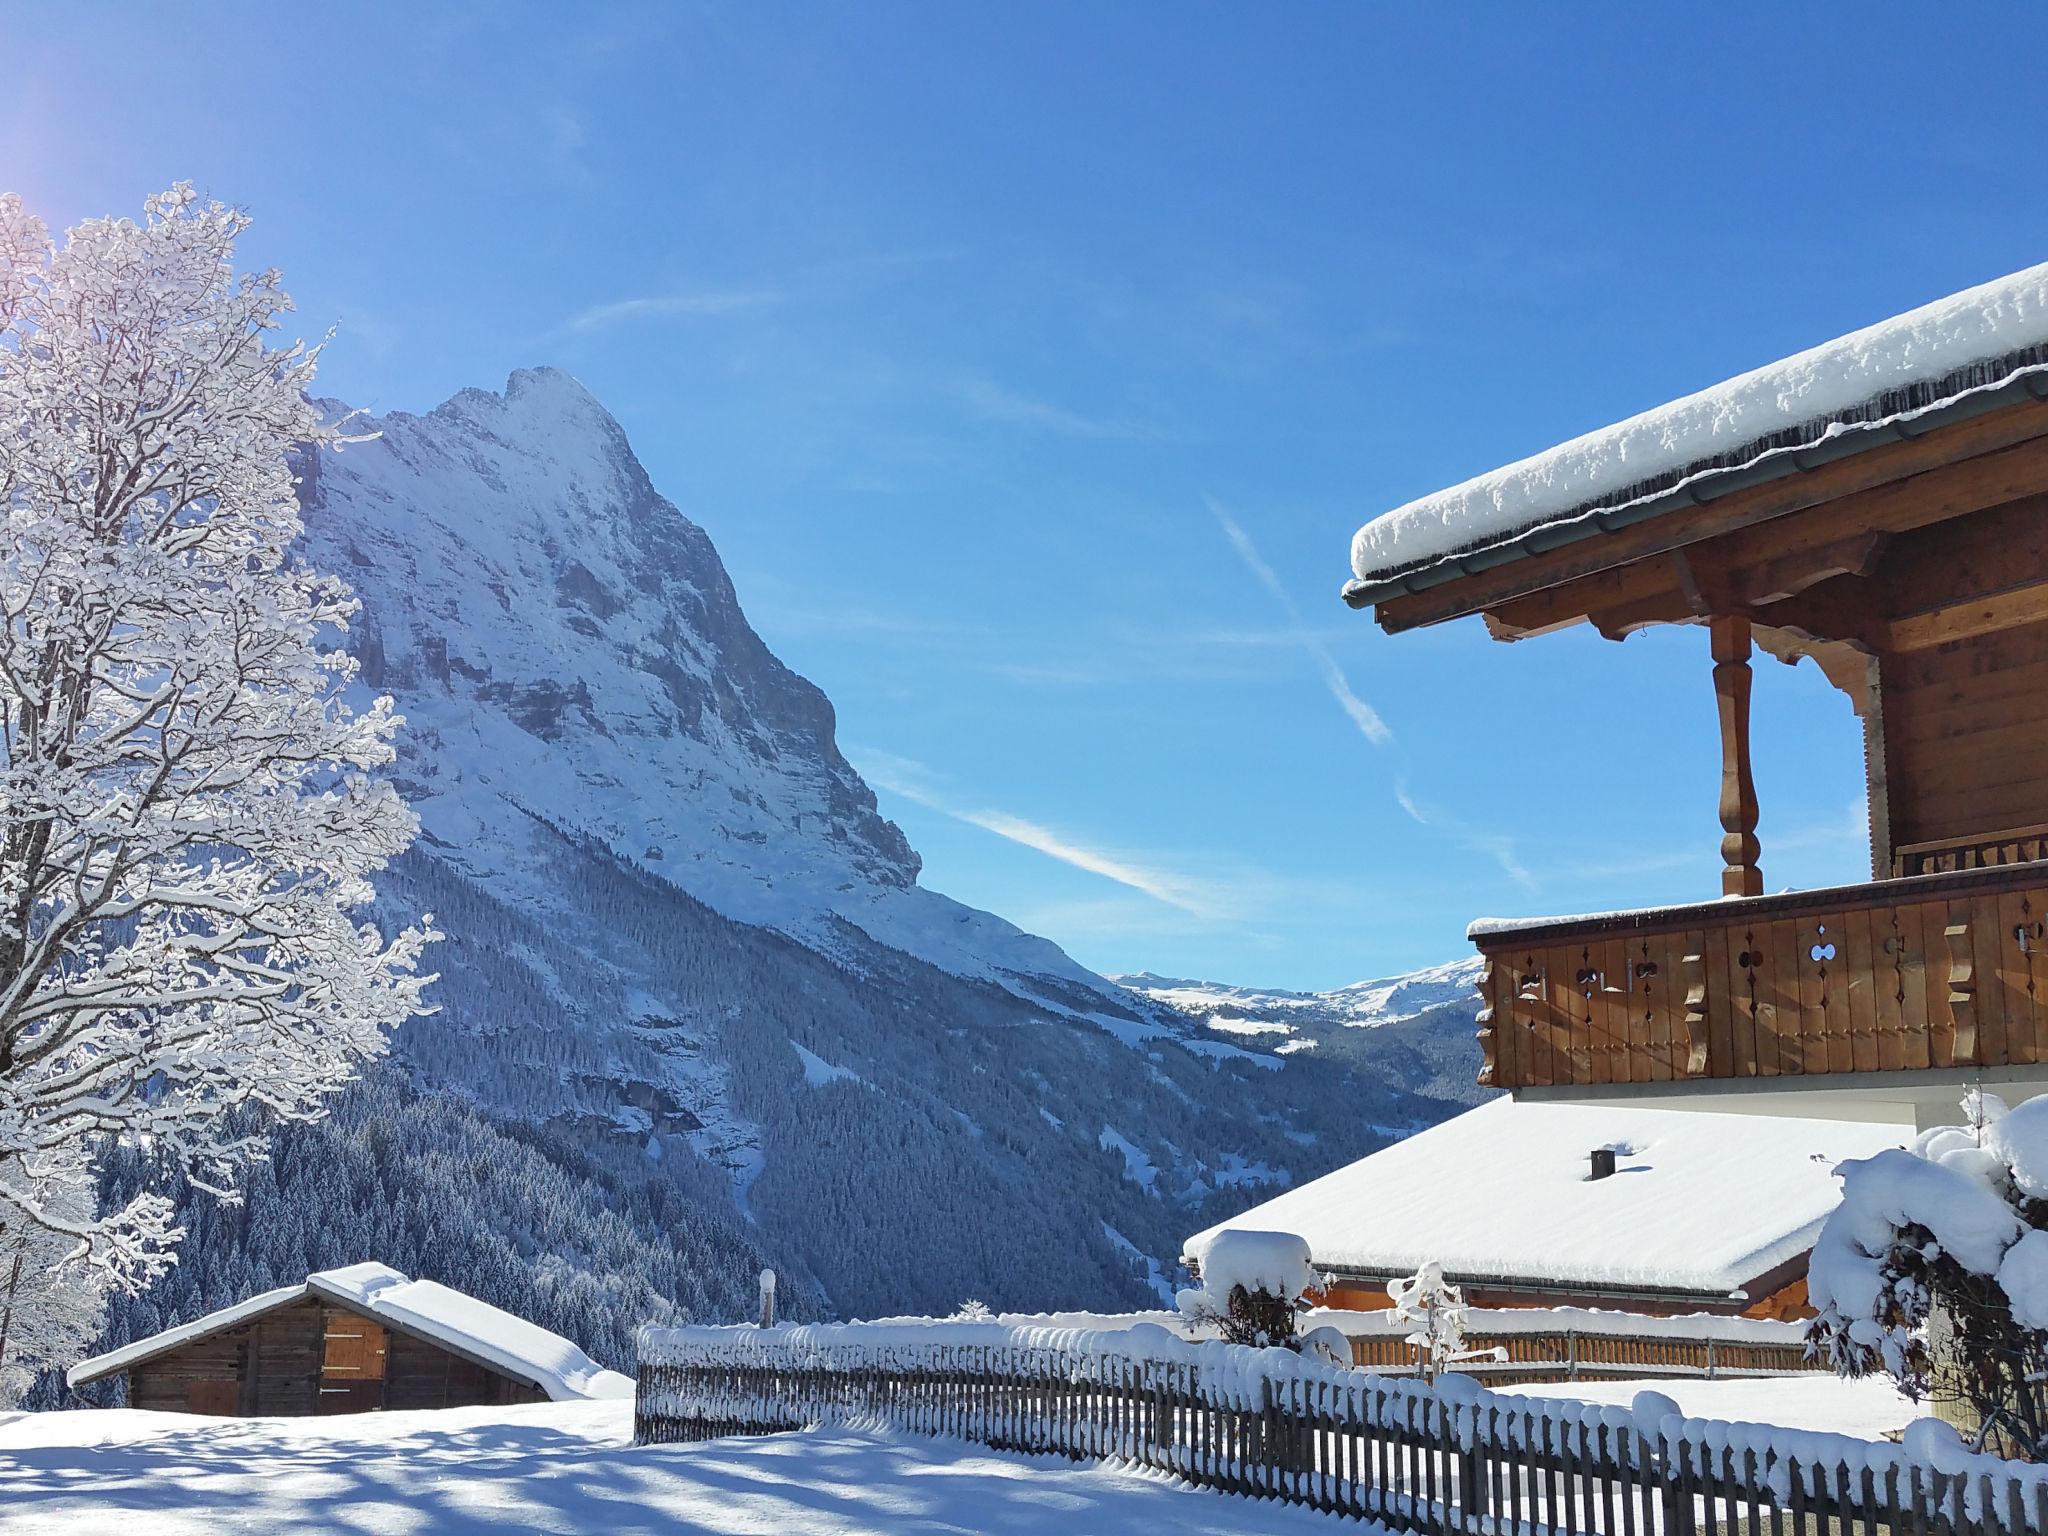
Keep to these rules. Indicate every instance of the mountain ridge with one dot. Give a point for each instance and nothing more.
(1429, 1016)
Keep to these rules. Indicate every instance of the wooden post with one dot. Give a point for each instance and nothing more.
(1740, 875)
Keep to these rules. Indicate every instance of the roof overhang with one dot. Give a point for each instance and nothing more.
(1839, 440)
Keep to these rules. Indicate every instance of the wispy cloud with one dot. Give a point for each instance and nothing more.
(1496, 846)
(1851, 826)
(1225, 638)
(821, 282)
(998, 403)
(1499, 848)
(913, 781)
(705, 302)
(1173, 890)
(564, 136)
(1362, 714)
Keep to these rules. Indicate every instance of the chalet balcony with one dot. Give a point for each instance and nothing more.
(1940, 974)
(1892, 534)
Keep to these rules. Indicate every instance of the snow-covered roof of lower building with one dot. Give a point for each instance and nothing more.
(1991, 337)
(447, 1317)
(1700, 1204)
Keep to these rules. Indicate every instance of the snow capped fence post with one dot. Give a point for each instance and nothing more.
(767, 1298)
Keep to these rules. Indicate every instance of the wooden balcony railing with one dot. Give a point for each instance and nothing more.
(1934, 971)
(2021, 845)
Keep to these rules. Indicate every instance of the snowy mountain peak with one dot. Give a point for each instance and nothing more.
(566, 646)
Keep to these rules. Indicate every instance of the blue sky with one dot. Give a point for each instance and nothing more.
(1031, 366)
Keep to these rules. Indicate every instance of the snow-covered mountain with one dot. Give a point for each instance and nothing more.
(1427, 1016)
(566, 642)
(696, 1013)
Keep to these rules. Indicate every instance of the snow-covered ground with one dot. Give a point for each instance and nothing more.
(1871, 1408)
(562, 1468)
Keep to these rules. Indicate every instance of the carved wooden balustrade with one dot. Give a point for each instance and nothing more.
(1936, 971)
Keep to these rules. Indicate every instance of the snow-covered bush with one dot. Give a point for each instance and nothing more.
(188, 816)
(1434, 1311)
(1253, 1286)
(1934, 1270)
(1330, 1345)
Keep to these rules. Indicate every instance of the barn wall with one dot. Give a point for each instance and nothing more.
(273, 1367)
(420, 1374)
(269, 1366)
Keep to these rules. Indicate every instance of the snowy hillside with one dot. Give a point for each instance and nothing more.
(696, 1013)
(1419, 1026)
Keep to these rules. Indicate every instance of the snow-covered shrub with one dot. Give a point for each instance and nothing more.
(189, 811)
(971, 1311)
(1253, 1285)
(1434, 1309)
(1934, 1271)
(1330, 1345)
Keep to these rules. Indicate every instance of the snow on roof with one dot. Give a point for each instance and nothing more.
(159, 1343)
(1973, 340)
(1700, 1203)
(447, 1317)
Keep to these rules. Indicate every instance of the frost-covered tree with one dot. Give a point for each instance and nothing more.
(188, 816)
(52, 1302)
(1934, 1270)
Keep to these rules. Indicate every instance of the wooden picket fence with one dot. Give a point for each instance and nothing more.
(1449, 1460)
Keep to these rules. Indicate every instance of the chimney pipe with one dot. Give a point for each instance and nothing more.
(1603, 1162)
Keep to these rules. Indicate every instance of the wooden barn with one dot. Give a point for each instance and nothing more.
(351, 1341)
(1657, 1212)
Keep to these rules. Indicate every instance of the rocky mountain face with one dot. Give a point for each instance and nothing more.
(696, 1014)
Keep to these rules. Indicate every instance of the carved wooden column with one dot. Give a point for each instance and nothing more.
(1740, 875)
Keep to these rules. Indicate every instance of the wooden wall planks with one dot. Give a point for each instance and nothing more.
(1892, 976)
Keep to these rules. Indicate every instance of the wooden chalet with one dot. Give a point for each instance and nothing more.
(350, 1341)
(1880, 505)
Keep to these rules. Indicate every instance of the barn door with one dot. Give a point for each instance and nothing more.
(352, 1364)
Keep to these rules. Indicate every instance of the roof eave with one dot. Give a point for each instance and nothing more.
(1708, 485)
(111, 1363)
